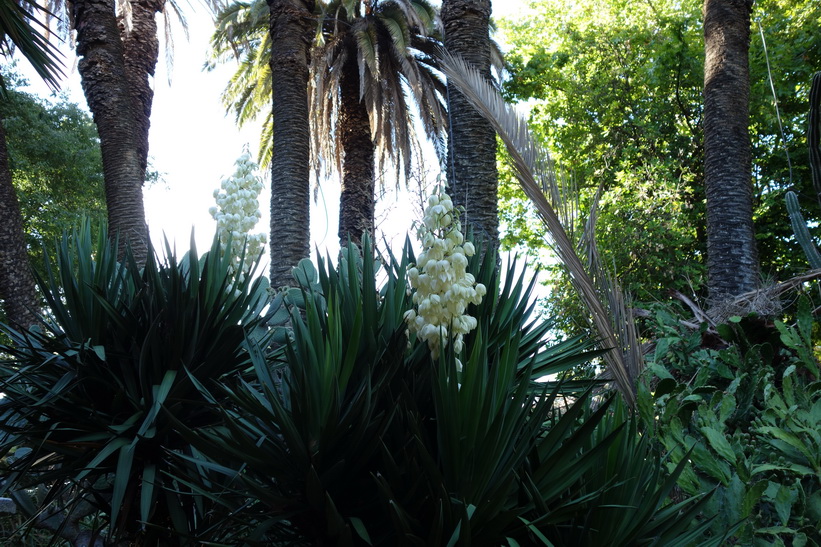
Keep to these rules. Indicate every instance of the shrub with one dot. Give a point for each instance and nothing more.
(89, 396)
(352, 433)
(747, 413)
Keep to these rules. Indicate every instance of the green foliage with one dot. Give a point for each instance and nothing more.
(56, 167)
(90, 396)
(614, 89)
(348, 435)
(743, 403)
(22, 27)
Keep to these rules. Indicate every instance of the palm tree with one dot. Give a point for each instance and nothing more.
(118, 47)
(371, 61)
(471, 164)
(16, 282)
(290, 34)
(108, 90)
(20, 29)
(732, 260)
(274, 38)
(373, 53)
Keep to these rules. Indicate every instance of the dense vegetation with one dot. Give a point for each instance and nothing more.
(423, 397)
(625, 86)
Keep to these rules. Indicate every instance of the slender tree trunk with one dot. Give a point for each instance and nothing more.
(356, 204)
(732, 258)
(291, 33)
(16, 282)
(471, 168)
(106, 86)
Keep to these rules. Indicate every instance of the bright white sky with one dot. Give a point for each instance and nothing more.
(193, 145)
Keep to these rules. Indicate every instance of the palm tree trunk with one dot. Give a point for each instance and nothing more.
(141, 49)
(16, 282)
(356, 204)
(106, 86)
(732, 258)
(291, 33)
(472, 175)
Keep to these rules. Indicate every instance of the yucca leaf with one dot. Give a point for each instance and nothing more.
(122, 478)
(147, 491)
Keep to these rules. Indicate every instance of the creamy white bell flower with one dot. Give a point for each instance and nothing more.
(443, 288)
(237, 213)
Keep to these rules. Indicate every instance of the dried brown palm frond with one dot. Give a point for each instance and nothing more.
(610, 314)
(398, 82)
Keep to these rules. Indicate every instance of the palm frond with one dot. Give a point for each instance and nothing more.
(396, 23)
(21, 28)
(534, 169)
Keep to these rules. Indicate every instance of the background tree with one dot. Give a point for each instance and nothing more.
(58, 175)
(20, 28)
(732, 258)
(617, 95)
(471, 167)
(291, 33)
(371, 62)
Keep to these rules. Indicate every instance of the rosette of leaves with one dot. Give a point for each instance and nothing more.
(352, 433)
(90, 394)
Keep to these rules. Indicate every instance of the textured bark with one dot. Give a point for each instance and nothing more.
(16, 282)
(291, 33)
(472, 176)
(732, 258)
(141, 50)
(356, 204)
(106, 86)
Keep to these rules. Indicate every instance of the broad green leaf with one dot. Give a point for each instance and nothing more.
(784, 501)
(360, 529)
(728, 406)
(718, 441)
(147, 491)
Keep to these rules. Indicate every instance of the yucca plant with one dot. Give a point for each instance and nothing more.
(626, 496)
(89, 395)
(351, 433)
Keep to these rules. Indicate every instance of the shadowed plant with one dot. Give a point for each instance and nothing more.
(89, 394)
(352, 433)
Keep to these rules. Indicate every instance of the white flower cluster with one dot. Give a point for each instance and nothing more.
(444, 288)
(237, 212)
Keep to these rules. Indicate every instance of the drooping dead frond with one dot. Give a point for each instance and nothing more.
(396, 71)
(534, 169)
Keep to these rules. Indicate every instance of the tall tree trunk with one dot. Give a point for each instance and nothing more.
(291, 33)
(106, 86)
(471, 168)
(732, 258)
(141, 50)
(16, 282)
(356, 204)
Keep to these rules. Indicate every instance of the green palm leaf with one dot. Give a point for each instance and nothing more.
(21, 28)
